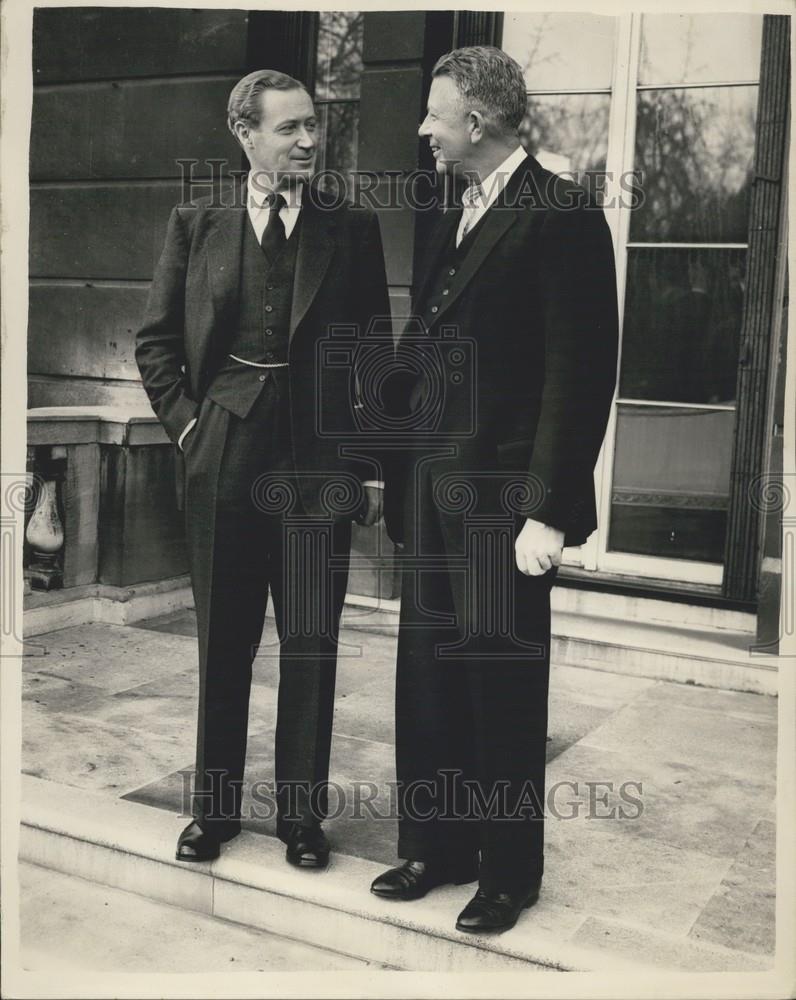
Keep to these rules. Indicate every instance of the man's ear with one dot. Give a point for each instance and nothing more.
(475, 126)
(242, 133)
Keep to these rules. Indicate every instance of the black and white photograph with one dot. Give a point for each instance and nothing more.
(398, 501)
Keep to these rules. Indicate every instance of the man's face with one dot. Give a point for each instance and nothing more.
(283, 145)
(445, 126)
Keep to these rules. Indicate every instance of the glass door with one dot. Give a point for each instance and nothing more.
(569, 63)
(678, 115)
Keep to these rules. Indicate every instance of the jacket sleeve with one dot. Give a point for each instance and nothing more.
(579, 312)
(374, 323)
(160, 345)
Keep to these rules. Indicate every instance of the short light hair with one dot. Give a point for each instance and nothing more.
(244, 103)
(489, 81)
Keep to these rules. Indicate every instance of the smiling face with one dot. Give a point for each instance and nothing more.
(282, 147)
(446, 126)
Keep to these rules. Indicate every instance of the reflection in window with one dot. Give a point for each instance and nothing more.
(337, 89)
(567, 133)
(339, 67)
(682, 324)
(340, 128)
(562, 51)
(695, 149)
(670, 485)
(699, 48)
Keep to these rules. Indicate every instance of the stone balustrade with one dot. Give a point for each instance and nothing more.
(110, 516)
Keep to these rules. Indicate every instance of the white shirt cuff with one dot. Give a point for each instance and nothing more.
(189, 426)
(374, 482)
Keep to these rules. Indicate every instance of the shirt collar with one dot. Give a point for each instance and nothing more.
(256, 195)
(485, 194)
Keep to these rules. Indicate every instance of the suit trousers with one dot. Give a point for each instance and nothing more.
(262, 540)
(471, 706)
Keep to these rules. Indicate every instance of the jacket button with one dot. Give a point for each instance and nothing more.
(445, 291)
(269, 309)
(435, 309)
(270, 288)
(269, 332)
(452, 271)
(262, 378)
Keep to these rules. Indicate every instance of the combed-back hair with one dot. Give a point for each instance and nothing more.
(244, 101)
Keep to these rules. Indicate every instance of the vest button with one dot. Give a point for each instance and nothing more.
(269, 309)
(445, 291)
(262, 378)
(269, 332)
(452, 271)
(435, 309)
(270, 288)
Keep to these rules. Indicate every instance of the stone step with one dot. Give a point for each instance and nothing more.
(704, 654)
(675, 642)
(130, 846)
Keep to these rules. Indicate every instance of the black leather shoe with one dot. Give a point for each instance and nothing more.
(197, 844)
(413, 879)
(307, 846)
(495, 911)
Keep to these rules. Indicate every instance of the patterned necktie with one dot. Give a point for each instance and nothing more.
(469, 208)
(274, 238)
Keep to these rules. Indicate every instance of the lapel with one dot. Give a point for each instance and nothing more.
(497, 221)
(315, 249)
(224, 253)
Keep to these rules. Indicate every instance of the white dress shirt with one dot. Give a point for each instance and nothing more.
(258, 207)
(479, 197)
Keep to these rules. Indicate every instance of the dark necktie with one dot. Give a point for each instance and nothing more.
(274, 233)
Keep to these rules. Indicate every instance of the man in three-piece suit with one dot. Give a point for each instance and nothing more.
(517, 298)
(241, 299)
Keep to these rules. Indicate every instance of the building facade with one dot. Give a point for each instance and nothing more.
(685, 139)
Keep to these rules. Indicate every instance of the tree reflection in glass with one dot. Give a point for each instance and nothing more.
(695, 151)
(339, 66)
(337, 90)
(567, 133)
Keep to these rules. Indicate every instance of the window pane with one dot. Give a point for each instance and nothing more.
(562, 51)
(671, 482)
(700, 48)
(339, 65)
(567, 133)
(339, 137)
(682, 324)
(695, 149)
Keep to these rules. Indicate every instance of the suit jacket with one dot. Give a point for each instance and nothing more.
(191, 313)
(534, 307)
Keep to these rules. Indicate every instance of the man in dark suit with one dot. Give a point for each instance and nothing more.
(242, 299)
(516, 360)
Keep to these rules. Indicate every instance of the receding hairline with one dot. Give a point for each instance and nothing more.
(286, 90)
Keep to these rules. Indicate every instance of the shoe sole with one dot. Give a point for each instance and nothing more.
(298, 863)
(497, 930)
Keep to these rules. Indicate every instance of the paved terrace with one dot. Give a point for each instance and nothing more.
(108, 731)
